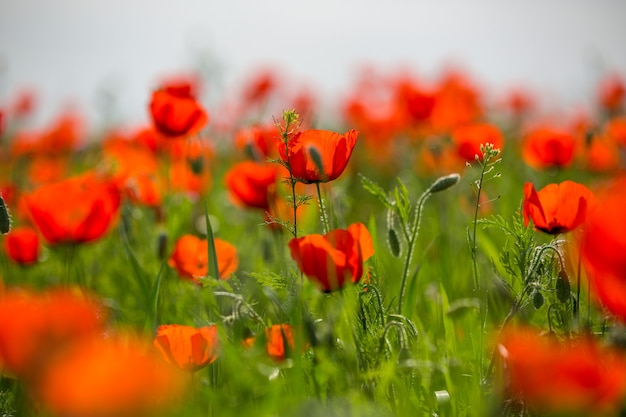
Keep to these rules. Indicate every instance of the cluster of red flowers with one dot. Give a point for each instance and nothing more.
(59, 343)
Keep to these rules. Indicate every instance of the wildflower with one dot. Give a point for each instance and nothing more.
(176, 112)
(187, 347)
(257, 140)
(190, 258)
(22, 245)
(318, 155)
(577, 376)
(249, 183)
(468, 138)
(611, 93)
(75, 210)
(333, 259)
(603, 244)
(547, 147)
(113, 376)
(279, 340)
(34, 326)
(134, 168)
(557, 208)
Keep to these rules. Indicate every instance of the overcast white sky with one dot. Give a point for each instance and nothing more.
(71, 49)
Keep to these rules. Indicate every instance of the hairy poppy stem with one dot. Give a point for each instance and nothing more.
(325, 226)
(411, 244)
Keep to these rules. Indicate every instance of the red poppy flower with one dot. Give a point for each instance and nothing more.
(187, 347)
(279, 340)
(611, 93)
(318, 155)
(333, 259)
(557, 208)
(176, 112)
(603, 246)
(578, 376)
(468, 138)
(548, 147)
(79, 209)
(250, 183)
(190, 257)
(134, 168)
(34, 326)
(258, 141)
(22, 245)
(113, 376)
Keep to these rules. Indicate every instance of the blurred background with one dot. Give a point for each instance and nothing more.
(104, 58)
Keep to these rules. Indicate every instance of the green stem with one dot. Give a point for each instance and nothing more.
(412, 239)
(325, 227)
(474, 246)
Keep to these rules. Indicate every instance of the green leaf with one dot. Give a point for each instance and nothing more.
(213, 265)
(376, 190)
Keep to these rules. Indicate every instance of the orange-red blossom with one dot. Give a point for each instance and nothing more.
(333, 259)
(557, 208)
(187, 347)
(318, 155)
(570, 377)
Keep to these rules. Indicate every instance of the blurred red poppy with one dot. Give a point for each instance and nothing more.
(117, 376)
(333, 259)
(34, 326)
(279, 341)
(557, 208)
(258, 141)
(187, 347)
(318, 155)
(468, 138)
(78, 209)
(546, 147)
(603, 246)
(176, 112)
(134, 168)
(250, 183)
(577, 376)
(611, 93)
(22, 245)
(190, 258)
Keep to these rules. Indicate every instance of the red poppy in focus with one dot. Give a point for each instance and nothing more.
(187, 347)
(79, 209)
(22, 245)
(547, 147)
(577, 376)
(117, 376)
(557, 208)
(333, 259)
(176, 112)
(468, 138)
(318, 155)
(603, 246)
(190, 258)
(250, 183)
(34, 326)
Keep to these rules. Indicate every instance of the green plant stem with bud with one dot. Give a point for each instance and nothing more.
(440, 184)
(290, 118)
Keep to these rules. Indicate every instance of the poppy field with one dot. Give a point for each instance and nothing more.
(432, 249)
